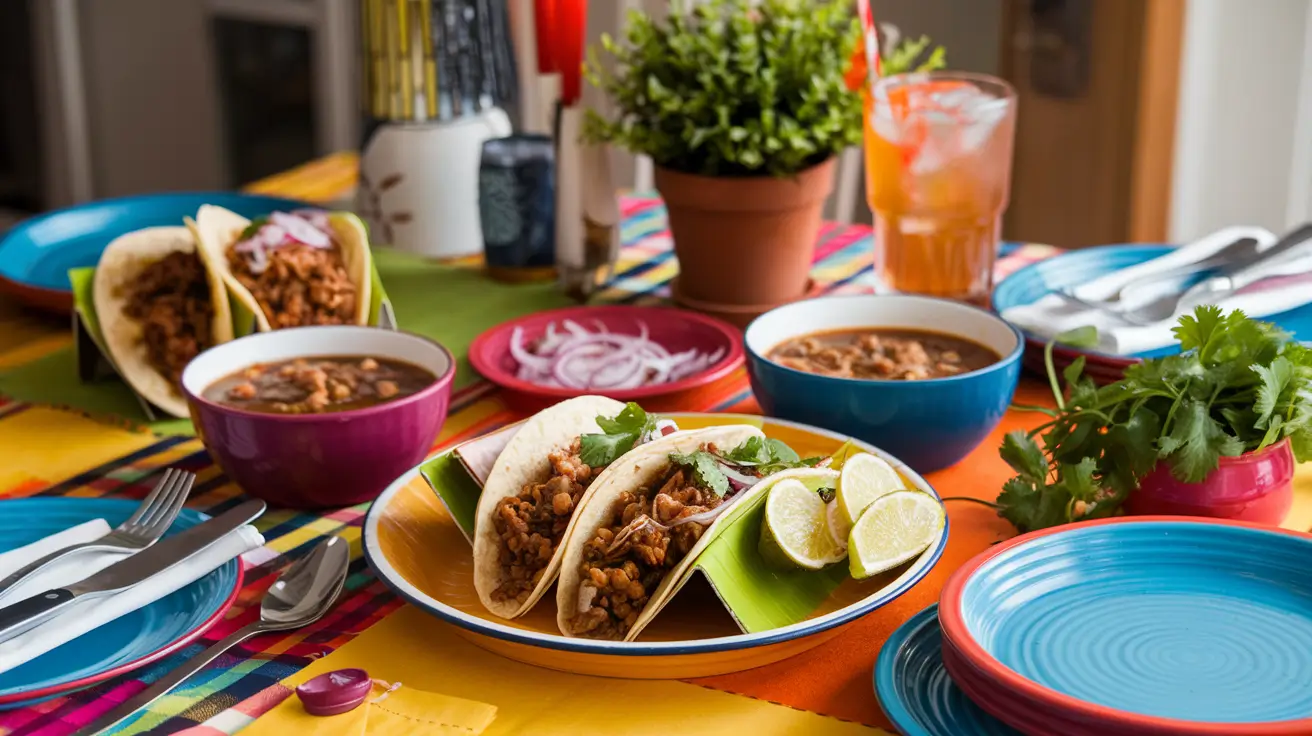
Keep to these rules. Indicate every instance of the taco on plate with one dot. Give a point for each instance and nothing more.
(635, 540)
(545, 473)
(291, 269)
(160, 302)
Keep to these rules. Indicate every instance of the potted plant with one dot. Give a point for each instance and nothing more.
(743, 105)
(1214, 431)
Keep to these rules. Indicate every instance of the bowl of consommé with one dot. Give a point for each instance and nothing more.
(315, 417)
(925, 379)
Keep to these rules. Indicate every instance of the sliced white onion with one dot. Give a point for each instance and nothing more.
(300, 230)
(318, 218)
(259, 261)
(271, 235)
(704, 517)
(746, 480)
(526, 360)
(576, 358)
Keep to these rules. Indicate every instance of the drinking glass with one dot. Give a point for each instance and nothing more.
(938, 177)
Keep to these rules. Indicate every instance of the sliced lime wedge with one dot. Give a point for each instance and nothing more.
(795, 532)
(894, 529)
(864, 479)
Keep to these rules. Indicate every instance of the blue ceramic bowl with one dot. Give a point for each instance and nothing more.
(928, 424)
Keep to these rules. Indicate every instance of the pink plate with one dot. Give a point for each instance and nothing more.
(675, 329)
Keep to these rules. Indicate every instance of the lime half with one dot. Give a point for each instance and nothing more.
(893, 530)
(864, 479)
(795, 532)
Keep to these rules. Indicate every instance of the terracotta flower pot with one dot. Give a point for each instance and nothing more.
(744, 244)
(1256, 487)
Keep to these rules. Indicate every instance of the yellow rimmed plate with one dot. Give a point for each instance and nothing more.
(417, 549)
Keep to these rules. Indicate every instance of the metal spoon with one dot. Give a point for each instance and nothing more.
(301, 595)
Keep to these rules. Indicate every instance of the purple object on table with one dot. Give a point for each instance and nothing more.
(319, 460)
(335, 692)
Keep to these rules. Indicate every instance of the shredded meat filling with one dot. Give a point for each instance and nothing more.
(532, 523)
(628, 557)
(301, 285)
(171, 300)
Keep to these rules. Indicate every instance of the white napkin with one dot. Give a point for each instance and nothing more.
(85, 615)
(1051, 315)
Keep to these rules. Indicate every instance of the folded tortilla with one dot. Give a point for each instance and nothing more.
(218, 228)
(642, 470)
(501, 576)
(122, 263)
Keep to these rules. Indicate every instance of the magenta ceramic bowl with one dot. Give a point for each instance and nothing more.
(1256, 487)
(319, 460)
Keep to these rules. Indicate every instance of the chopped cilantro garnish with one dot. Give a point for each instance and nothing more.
(768, 456)
(706, 471)
(619, 434)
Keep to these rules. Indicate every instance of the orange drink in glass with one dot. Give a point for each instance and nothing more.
(938, 176)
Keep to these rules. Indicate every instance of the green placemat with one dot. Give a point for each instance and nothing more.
(451, 304)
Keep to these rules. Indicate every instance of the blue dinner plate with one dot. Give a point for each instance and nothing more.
(1076, 267)
(914, 688)
(1158, 622)
(36, 255)
(121, 645)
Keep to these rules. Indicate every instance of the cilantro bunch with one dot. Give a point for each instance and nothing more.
(1239, 386)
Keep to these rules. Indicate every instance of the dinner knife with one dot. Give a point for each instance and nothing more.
(1219, 285)
(26, 614)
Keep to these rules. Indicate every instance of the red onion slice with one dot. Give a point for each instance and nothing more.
(301, 230)
(523, 356)
(577, 358)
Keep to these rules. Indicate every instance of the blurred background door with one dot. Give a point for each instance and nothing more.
(155, 95)
(1143, 120)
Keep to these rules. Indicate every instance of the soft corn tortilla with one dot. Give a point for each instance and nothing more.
(124, 258)
(524, 461)
(217, 228)
(644, 467)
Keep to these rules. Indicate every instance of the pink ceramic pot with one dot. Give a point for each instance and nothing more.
(1256, 487)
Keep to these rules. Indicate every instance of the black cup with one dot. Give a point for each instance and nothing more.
(517, 206)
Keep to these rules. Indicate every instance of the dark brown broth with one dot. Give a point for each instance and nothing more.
(883, 354)
(319, 385)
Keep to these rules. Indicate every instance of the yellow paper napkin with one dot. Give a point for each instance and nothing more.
(425, 654)
(395, 712)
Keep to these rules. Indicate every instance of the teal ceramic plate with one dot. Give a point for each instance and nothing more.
(914, 688)
(126, 643)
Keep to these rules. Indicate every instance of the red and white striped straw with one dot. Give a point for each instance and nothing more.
(870, 35)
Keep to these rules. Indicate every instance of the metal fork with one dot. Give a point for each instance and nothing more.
(141, 530)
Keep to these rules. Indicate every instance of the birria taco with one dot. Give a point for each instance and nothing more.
(291, 269)
(543, 475)
(159, 302)
(638, 535)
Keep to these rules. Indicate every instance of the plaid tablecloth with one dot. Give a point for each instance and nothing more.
(48, 452)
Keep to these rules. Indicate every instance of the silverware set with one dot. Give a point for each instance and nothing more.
(142, 529)
(303, 593)
(1178, 290)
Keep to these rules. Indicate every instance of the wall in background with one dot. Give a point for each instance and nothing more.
(151, 108)
(970, 30)
(1243, 150)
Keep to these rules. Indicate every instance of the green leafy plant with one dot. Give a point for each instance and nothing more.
(1239, 385)
(735, 87)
